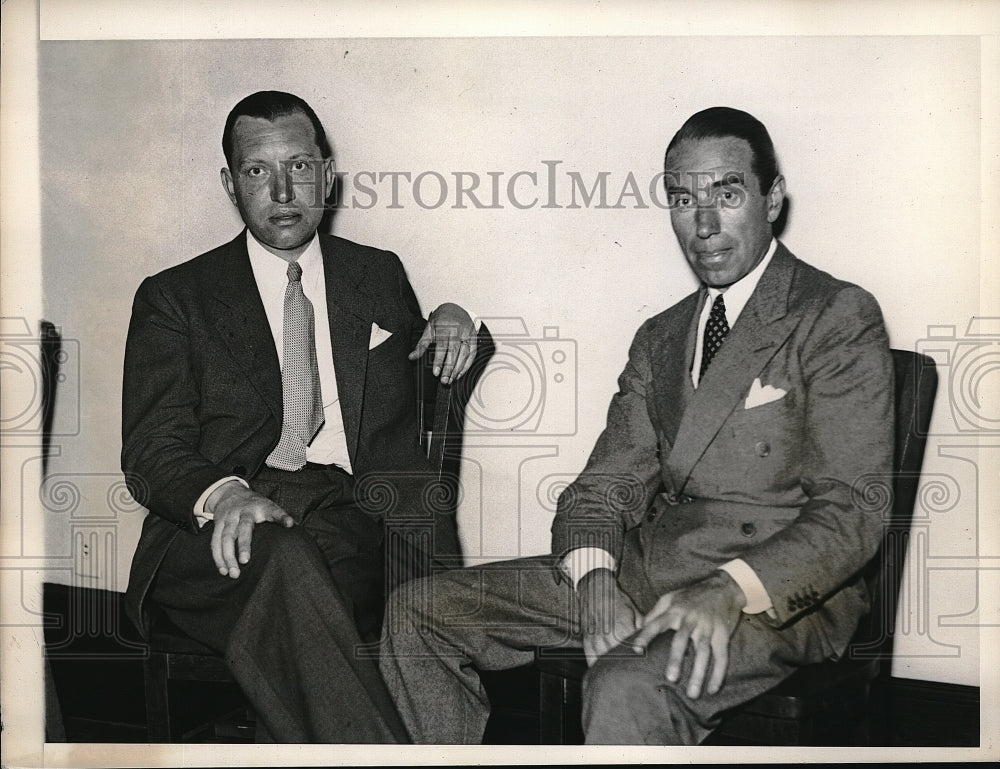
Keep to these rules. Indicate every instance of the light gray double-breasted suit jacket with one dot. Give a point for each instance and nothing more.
(771, 459)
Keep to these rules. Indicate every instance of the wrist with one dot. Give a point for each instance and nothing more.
(731, 587)
(595, 589)
(224, 491)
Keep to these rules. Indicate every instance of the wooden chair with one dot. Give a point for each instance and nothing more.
(822, 704)
(174, 656)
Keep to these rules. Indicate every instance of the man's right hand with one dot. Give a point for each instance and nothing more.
(607, 614)
(236, 510)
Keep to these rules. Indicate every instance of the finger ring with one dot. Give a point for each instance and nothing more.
(465, 341)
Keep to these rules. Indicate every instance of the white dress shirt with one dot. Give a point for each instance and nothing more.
(580, 561)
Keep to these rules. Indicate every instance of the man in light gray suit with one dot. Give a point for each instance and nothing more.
(714, 541)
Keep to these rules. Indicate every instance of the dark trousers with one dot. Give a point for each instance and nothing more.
(290, 626)
(439, 631)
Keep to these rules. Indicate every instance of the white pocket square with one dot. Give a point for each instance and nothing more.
(760, 394)
(378, 336)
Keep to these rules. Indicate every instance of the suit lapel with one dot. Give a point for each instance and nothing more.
(758, 333)
(239, 318)
(350, 316)
(676, 343)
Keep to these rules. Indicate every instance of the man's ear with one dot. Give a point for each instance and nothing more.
(227, 184)
(775, 198)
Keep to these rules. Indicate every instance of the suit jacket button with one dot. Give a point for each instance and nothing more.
(651, 515)
(240, 470)
(748, 529)
(762, 448)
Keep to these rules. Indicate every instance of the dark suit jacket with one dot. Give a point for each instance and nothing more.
(202, 387)
(766, 461)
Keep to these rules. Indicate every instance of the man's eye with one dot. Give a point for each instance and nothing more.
(254, 171)
(298, 165)
(680, 200)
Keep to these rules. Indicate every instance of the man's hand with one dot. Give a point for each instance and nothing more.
(236, 510)
(704, 614)
(607, 615)
(453, 333)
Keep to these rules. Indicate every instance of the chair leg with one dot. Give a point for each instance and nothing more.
(860, 732)
(559, 711)
(550, 707)
(158, 726)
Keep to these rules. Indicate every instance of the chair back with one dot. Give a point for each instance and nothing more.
(51, 353)
(434, 411)
(916, 385)
(441, 408)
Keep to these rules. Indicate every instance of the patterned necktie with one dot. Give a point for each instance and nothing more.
(302, 401)
(715, 334)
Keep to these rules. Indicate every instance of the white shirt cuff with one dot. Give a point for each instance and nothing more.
(201, 515)
(580, 562)
(756, 594)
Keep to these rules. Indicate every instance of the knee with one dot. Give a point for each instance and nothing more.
(616, 676)
(425, 605)
(275, 549)
(626, 697)
(621, 682)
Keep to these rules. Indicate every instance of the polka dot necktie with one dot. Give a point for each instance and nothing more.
(715, 334)
(302, 400)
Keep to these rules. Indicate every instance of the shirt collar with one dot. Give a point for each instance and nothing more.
(276, 268)
(739, 293)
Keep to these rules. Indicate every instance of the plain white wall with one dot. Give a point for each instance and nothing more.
(879, 139)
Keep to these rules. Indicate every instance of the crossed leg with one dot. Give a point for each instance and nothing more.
(439, 631)
(288, 635)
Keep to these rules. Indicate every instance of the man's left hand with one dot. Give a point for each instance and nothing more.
(451, 330)
(704, 614)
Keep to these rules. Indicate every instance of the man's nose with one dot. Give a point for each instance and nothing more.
(282, 190)
(707, 220)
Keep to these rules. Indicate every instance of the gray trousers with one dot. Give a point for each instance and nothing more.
(439, 630)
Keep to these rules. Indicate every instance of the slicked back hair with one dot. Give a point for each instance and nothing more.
(270, 105)
(725, 122)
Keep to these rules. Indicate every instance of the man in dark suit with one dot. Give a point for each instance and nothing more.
(714, 541)
(265, 382)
